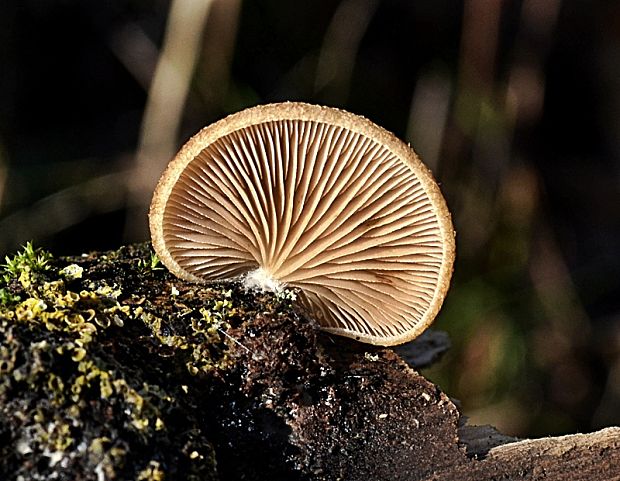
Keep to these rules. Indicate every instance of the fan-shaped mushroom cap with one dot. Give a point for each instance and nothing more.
(316, 198)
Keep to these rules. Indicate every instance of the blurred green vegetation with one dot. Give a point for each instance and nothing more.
(514, 105)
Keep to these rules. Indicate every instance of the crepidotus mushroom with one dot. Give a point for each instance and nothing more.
(316, 198)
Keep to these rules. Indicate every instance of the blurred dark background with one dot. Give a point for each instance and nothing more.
(515, 106)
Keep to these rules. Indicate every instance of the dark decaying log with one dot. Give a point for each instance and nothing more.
(181, 381)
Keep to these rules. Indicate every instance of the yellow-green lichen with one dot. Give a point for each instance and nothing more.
(153, 472)
(71, 272)
(68, 398)
(206, 341)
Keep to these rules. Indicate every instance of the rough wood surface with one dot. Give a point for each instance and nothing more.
(182, 381)
(594, 456)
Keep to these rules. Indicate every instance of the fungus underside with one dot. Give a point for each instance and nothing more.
(318, 199)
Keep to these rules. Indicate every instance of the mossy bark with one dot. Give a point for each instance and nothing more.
(111, 368)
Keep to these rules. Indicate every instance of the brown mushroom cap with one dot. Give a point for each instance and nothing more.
(316, 198)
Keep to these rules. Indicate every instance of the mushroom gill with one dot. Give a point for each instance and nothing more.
(315, 198)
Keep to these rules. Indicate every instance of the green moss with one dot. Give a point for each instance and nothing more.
(26, 264)
(153, 263)
(7, 298)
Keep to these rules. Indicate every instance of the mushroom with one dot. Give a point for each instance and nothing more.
(317, 198)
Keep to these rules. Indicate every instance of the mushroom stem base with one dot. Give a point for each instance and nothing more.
(261, 280)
